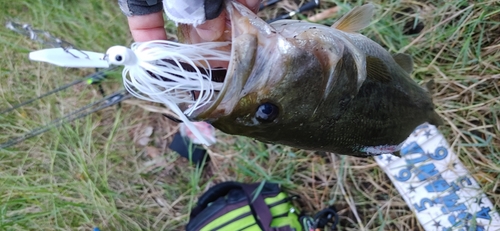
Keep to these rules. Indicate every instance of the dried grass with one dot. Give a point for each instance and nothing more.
(113, 169)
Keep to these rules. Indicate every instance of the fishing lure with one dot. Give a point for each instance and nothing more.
(174, 74)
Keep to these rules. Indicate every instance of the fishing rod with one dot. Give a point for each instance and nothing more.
(110, 100)
(47, 39)
(267, 3)
(306, 7)
(95, 78)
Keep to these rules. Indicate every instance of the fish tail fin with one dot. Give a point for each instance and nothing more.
(356, 19)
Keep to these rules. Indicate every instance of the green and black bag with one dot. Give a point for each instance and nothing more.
(232, 206)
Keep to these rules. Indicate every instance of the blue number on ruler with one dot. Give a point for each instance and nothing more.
(440, 153)
(404, 175)
(421, 207)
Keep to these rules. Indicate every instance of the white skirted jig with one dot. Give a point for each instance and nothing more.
(175, 72)
(158, 71)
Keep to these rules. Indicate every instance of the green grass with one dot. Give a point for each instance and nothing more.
(93, 173)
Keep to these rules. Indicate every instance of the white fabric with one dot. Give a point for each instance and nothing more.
(185, 11)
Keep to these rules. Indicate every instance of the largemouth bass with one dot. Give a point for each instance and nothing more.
(316, 87)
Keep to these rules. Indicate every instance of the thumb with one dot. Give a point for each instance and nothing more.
(212, 29)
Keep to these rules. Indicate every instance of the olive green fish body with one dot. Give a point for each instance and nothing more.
(317, 88)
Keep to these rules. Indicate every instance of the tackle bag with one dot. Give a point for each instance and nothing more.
(232, 206)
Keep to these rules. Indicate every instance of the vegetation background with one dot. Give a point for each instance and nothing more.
(113, 170)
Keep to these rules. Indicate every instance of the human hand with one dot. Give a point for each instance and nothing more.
(151, 26)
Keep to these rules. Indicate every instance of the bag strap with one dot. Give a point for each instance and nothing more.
(259, 208)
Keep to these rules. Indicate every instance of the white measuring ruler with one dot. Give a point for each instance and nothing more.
(436, 185)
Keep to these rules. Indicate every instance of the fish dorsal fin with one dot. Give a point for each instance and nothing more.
(376, 70)
(404, 61)
(356, 19)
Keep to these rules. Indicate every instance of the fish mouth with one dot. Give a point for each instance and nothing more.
(245, 37)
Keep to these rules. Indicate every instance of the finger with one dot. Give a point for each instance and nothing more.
(147, 27)
(212, 29)
(251, 4)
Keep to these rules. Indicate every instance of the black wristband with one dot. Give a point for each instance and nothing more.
(140, 7)
(213, 8)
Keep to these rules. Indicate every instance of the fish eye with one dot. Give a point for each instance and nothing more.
(118, 58)
(267, 112)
